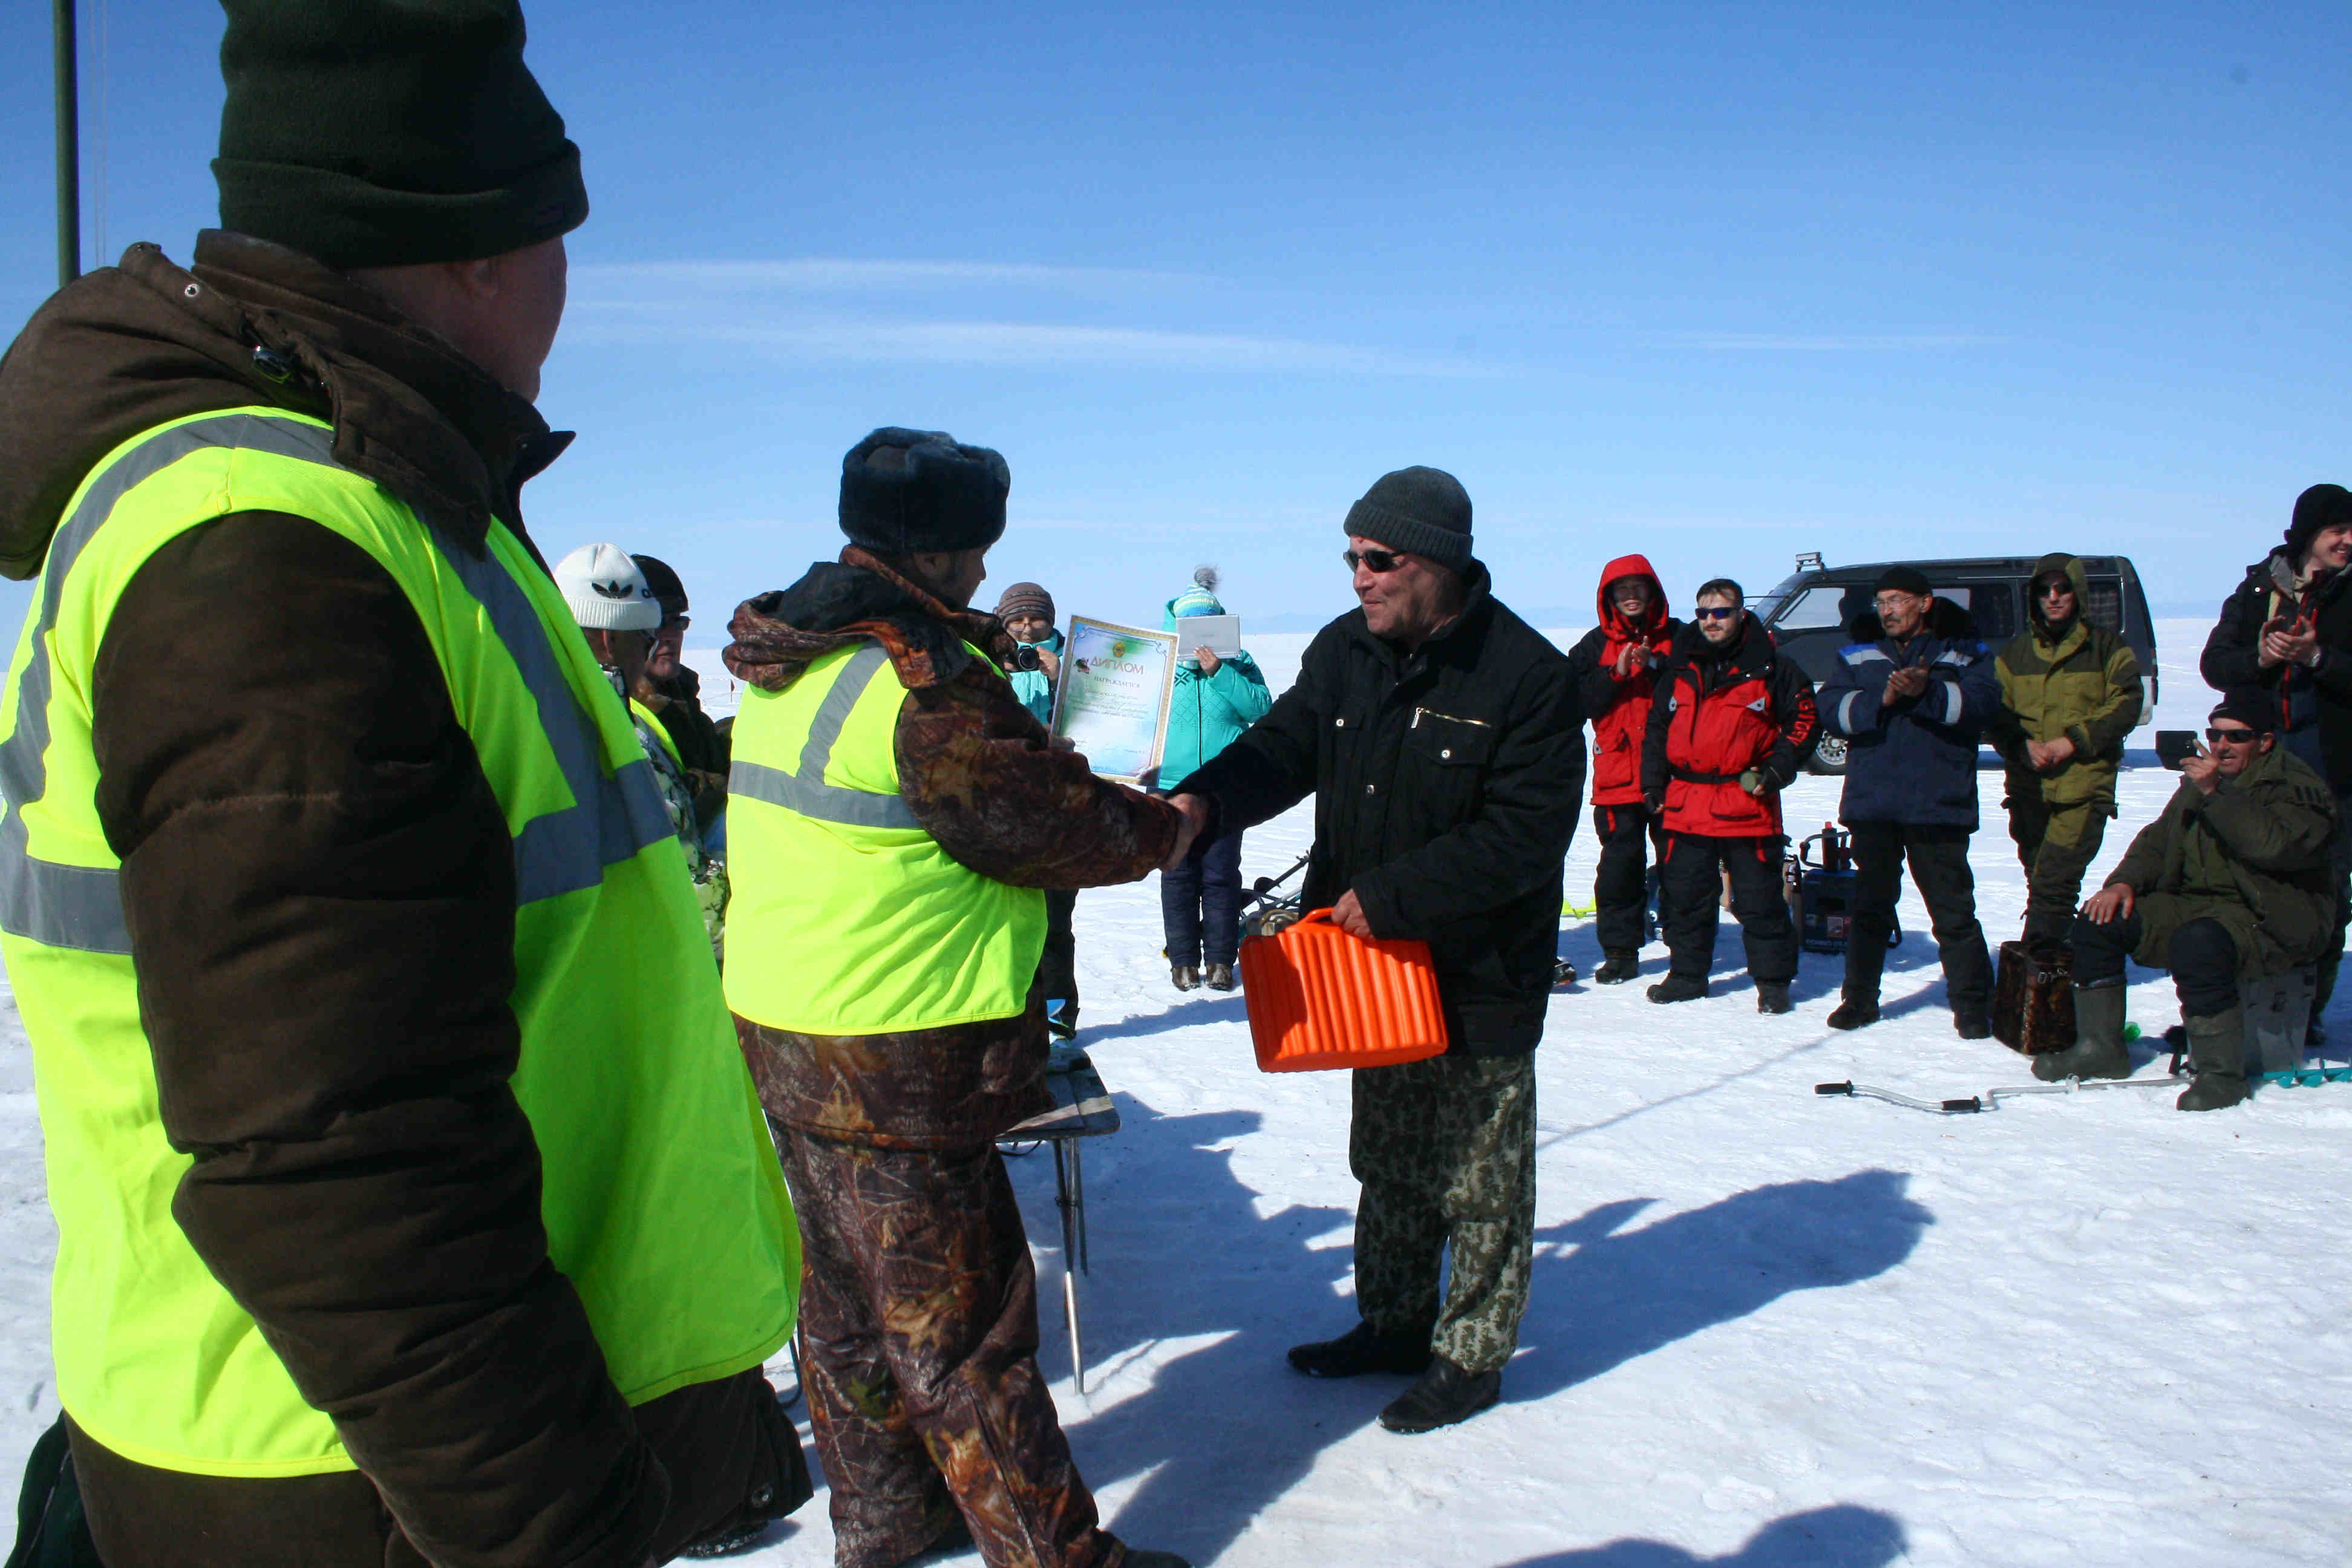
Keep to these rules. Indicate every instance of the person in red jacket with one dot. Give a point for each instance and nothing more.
(1616, 666)
(1731, 724)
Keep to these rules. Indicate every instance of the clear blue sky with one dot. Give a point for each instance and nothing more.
(1717, 282)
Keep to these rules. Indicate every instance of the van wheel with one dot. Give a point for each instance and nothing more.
(1829, 757)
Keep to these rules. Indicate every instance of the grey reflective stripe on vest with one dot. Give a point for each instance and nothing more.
(81, 906)
(806, 792)
(613, 815)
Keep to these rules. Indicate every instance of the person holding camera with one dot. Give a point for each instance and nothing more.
(2231, 884)
(1027, 612)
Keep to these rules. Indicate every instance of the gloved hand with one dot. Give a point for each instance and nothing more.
(1753, 782)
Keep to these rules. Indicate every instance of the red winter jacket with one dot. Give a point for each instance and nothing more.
(1718, 713)
(1620, 710)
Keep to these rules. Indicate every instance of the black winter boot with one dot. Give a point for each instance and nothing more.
(1679, 988)
(1445, 1395)
(1772, 996)
(2098, 1049)
(1972, 1026)
(1221, 978)
(1363, 1349)
(2217, 1050)
(1618, 965)
(1854, 1013)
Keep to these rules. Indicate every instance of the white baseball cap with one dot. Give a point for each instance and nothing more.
(605, 590)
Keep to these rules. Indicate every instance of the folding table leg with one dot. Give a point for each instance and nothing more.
(1066, 1158)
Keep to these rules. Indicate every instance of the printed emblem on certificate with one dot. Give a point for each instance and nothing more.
(1111, 701)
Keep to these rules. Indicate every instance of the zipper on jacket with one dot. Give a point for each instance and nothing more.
(1421, 714)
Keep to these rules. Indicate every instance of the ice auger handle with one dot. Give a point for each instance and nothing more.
(1833, 1089)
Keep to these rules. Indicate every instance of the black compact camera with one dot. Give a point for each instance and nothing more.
(2173, 747)
(1025, 658)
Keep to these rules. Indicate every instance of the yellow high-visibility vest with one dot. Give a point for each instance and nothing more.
(849, 918)
(661, 1193)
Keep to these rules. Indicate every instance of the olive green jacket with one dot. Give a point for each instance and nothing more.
(2252, 855)
(2085, 686)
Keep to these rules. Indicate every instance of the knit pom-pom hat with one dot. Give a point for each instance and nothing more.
(1201, 598)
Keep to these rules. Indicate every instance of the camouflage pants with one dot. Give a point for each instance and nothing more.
(919, 1349)
(1447, 1152)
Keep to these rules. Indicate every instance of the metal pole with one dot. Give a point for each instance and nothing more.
(69, 145)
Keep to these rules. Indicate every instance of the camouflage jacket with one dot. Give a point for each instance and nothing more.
(977, 771)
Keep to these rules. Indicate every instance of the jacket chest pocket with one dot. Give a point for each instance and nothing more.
(1452, 751)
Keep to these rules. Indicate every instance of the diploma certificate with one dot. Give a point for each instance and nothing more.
(1111, 701)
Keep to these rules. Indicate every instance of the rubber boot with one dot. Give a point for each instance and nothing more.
(2098, 1049)
(2217, 1051)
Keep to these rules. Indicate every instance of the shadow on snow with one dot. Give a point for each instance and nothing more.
(1844, 1536)
(1225, 1430)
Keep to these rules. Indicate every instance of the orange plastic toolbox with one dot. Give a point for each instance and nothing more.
(1320, 999)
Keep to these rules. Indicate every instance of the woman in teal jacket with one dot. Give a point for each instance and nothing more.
(1215, 700)
(1027, 612)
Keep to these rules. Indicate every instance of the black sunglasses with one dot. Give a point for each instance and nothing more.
(1715, 612)
(2232, 737)
(1381, 561)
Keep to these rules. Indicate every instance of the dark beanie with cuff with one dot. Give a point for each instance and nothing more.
(2255, 707)
(390, 133)
(911, 492)
(1904, 580)
(2321, 506)
(1419, 511)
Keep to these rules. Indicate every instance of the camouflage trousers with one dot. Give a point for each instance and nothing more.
(918, 1351)
(1447, 1152)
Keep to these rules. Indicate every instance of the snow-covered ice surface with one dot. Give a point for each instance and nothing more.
(1767, 1329)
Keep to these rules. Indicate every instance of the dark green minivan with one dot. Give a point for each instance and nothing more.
(1813, 610)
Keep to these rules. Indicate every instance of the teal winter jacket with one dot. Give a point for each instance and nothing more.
(1032, 687)
(1208, 713)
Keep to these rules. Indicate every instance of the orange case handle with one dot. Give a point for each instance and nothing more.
(1312, 916)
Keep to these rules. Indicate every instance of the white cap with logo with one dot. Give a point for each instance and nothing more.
(605, 590)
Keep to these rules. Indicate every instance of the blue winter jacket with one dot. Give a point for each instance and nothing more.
(1916, 761)
(1207, 712)
(1032, 687)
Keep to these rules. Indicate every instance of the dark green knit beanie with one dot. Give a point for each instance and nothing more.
(388, 132)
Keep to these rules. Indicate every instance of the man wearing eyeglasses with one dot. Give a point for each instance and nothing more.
(1440, 738)
(2070, 694)
(2231, 884)
(1911, 695)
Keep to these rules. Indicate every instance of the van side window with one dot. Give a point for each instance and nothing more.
(1992, 607)
(1813, 608)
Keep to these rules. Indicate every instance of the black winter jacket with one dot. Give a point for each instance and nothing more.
(1447, 785)
(2320, 695)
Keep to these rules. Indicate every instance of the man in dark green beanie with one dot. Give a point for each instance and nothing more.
(413, 1201)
